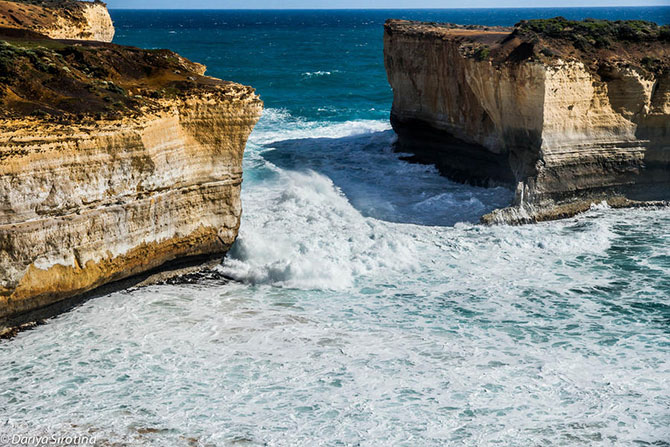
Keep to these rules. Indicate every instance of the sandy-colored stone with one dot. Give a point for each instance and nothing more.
(559, 130)
(109, 176)
(59, 19)
(84, 205)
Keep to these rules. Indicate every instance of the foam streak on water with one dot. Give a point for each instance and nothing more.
(369, 308)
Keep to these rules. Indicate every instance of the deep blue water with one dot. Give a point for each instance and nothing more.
(369, 308)
(285, 54)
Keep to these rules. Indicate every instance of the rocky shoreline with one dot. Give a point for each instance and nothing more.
(565, 113)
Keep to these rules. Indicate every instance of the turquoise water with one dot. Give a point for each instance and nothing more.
(369, 308)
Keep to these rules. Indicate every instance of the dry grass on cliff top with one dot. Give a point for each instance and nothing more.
(58, 79)
(596, 43)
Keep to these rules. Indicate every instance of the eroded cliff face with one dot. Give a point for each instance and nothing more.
(59, 19)
(490, 106)
(104, 177)
(85, 205)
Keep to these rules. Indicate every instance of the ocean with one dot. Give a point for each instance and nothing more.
(367, 306)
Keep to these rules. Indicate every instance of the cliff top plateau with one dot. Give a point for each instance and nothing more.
(61, 80)
(59, 18)
(592, 42)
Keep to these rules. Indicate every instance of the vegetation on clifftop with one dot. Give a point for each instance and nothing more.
(482, 53)
(55, 78)
(595, 43)
(589, 33)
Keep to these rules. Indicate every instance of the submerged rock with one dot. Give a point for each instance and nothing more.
(566, 113)
(113, 161)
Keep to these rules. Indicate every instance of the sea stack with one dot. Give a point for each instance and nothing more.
(113, 161)
(567, 113)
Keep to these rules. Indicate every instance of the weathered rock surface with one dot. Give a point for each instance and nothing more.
(563, 124)
(113, 161)
(59, 19)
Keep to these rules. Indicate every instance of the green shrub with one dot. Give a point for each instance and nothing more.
(8, 55)
(547, 52)
(603, 42)
(650, 63)
(115, 88)
(593, 32)
(664, 32)
(482, 53)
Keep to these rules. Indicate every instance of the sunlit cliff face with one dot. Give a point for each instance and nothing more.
(557, 129)
(113, 161)
(60, 20)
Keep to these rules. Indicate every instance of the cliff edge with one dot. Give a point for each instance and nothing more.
(567, 113)
(59, 19)
(113, 161)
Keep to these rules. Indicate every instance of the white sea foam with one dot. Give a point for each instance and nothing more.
(311, 74)
(600, 206)
(302, 232)
(299, 228)
(279, 124)
(476, 343)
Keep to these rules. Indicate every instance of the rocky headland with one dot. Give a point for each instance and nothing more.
(59, 19)
(113, 161)
(566, 113)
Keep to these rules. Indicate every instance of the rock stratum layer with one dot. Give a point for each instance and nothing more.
(59, 19)
(113, 161)
(566, 113)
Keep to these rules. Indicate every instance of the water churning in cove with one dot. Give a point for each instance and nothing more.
(369, 308)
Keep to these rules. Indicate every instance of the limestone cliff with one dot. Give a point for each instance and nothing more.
(565, 116)
(59, 19)
(113, 161)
